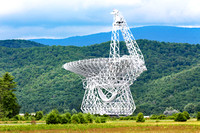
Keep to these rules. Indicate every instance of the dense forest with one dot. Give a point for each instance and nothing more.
(19, 43)
(172, 78)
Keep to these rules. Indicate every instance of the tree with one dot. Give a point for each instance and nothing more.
(97, 120)
(8, 100)
(190, 108)
(198, 116)
(197, 107)
(180, 117)
(39, 115)
(103, 119)
(82, 118)
(170, 111)
(75, 119)
(53, 117)
(186, 114)
(89, 118)
(140, 118)
(74, 111)
(66, 118)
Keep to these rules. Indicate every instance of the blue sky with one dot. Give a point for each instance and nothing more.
(28, 19)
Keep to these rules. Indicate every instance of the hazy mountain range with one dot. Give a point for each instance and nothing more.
(158, 33)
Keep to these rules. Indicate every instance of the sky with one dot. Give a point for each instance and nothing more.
(31, 19)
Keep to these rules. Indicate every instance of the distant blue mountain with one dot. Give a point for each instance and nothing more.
(158, 33)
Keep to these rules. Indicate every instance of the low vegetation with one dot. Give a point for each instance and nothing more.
(140, 118)
(112, 126)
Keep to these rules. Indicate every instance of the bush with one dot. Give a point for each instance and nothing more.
(75, 119)
(81, 118)
(17, 117)
(140, 118)
(172, 117)
(162, 117)
(103, 119)
(26, 115)
(198, 116)
(127, 118)
(39, 115)
(154, 117)
(186, 114)
(53, 117)
(113, 118)
(97, 120)
(180, 117)
(132, 118)
(89, 118)
(121, 118)
(66, 118)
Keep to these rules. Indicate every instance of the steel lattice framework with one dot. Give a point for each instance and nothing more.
(107, 80)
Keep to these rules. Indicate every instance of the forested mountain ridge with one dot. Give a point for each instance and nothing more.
(158, 33)
(43, 84)
(19, 43)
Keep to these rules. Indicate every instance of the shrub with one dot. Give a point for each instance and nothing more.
(66, 118)
(132, 118)
(75, 119)
(198, 116)
(26, 115)
(121, 118)
(162, 117)
(186, 114)
(89, 118)
(17, 117)
(113, 118)
(153, 117)
(172, 117)
(97, 120)
(81, 118)
(39, 115)
(127, 118)
(180, 117)
(53, 117)
(140, 118)
(103, 119)
(105, 115)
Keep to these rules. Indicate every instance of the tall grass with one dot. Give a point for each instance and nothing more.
(82, 127)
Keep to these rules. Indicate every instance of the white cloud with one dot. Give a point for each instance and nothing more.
(49, 16)
(57, 32)
(10, 6)
(139, 11)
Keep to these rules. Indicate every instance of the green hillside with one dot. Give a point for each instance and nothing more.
(19, 44)
(176, 90)
(171, 80)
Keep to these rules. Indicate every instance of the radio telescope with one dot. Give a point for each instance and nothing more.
(107, 80)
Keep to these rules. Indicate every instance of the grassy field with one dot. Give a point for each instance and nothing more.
(150, 126)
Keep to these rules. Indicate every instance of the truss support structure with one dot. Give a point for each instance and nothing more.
(107, 80)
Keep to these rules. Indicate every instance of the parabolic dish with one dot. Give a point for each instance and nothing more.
(88, 67)
(92, 67)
